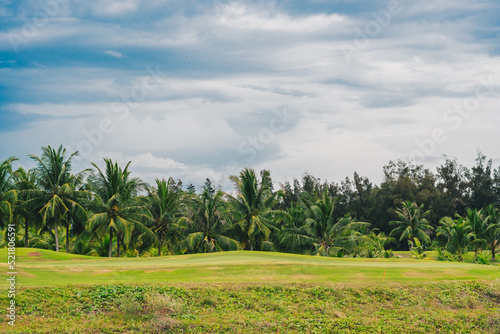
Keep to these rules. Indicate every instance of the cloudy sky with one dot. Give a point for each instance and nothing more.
(196, 89)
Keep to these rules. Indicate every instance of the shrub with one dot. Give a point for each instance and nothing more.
(483, 258)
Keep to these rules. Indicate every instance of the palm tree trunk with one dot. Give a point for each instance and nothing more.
(26, 224)
(67, 238)
(118, 245)
(493, 248)
(56, 234)
(110, 242)
(159, 244)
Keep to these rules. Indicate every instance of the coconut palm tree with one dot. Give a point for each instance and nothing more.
(331, 235)
(164, 203)
(209, 221)
(478, 222)
(117, 208)
(375, 247)
(294, 235)
(56, 195)
(45, 239)
(492, 235)
(25, 181)
(412, 223)
(456, 232)
(8, 195)
(253, 202)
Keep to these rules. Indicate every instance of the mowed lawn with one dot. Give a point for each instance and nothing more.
(38, 268)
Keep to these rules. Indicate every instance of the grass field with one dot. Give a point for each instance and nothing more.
(250, 292)
(37, 268)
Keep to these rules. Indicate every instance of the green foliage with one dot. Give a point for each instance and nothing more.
(209, 222)
(8, 196)
(417, 250)
(307, 308)
(455, 235)
(164, 204)
(117, 208)
(57, 199)
(444, 255)
(413, 224)
(253, 203)
(483, 258)
(375, 246)
(109, 212)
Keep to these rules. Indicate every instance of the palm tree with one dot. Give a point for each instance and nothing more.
(294, 235)
(375, 247)
(8, 195)
(209, 220)
(492, 235)
(164, 203)
(456, 232)
(57, 195)
(116, 206)
(331, 235)
(478, 223)
(412, 223)
(25, 180)
(254, 201)
(45, 239)
(83, 244)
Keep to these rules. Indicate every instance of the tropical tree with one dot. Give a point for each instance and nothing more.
(375, 246)
(417, 250)
(164, 204)
(56, 195)
(254, 200)
(412, 223)
(294, 236)
(478, 222)
(331, 235)
(209, 221)
(456, 233)
(116, 206)
(83, 244)
(492, 235)
(24, 182)
(45, 239)
(8, 195)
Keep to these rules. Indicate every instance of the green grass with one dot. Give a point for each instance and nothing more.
(459, 307)
(250, 292)
(38, 268)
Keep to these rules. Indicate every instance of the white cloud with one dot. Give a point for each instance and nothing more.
(147, 160)
(114, 54)
(240, 16)
(247, 60)
(113, 7)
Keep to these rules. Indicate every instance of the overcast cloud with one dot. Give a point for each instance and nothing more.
(194, 89)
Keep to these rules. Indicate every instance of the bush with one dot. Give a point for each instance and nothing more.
(483, 258)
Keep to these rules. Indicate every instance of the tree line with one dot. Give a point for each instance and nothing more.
(105, 211)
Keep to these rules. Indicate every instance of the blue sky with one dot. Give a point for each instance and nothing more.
(194, 89)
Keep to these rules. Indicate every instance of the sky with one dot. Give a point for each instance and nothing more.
(196, 89)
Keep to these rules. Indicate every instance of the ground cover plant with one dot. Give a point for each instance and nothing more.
(460, 307)
(252, 292)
